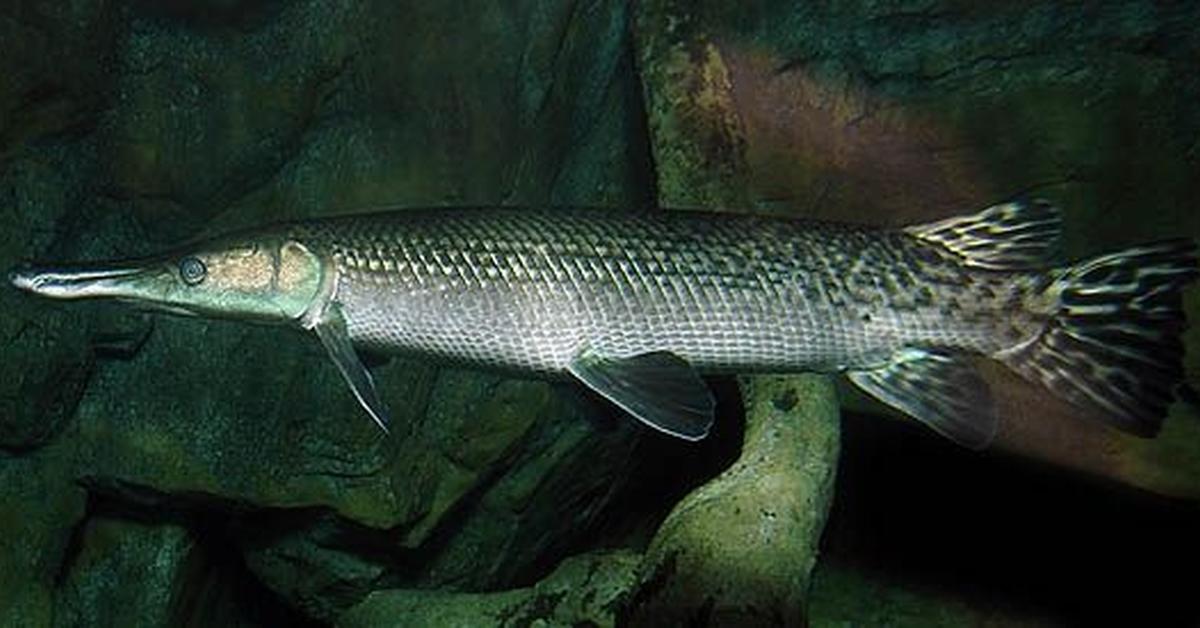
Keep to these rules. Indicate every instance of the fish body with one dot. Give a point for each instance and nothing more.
(727, 293)
(638, 305)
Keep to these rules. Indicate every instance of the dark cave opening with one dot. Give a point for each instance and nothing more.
(1007, 532)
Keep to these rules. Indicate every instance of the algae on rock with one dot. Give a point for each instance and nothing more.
(39, 509)
(125, 573)
(583, 591)
(740, 549)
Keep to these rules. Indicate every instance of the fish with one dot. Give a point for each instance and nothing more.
(640, 306)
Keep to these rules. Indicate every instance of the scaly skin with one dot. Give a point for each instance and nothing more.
(728, 293)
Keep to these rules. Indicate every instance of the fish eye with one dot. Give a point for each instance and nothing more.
(192, 270)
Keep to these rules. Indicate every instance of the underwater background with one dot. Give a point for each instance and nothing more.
(169, 472)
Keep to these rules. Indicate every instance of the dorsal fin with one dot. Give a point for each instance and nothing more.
(1017, 235)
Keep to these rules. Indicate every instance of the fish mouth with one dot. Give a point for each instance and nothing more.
(118, 280)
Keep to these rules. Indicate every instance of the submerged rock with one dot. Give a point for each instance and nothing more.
(55, 74)
(739, 550)
(126, 572)
(39, 509)
(584, 591)
(314, 561)
(696, 135)
(513, 502)
(209, 109)
(736, 551)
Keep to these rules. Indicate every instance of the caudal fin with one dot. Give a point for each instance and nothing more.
(1114, 345)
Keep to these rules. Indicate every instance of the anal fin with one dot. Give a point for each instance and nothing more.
(659, 388)
(942, 390)
(331, 329)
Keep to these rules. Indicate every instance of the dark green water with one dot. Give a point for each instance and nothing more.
(157, 471)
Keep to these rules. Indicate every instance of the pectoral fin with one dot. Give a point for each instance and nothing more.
(331, 329)
(942, 390)
(660, 389)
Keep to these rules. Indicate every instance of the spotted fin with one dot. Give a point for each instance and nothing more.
(942, 390)
(1017, 235)
(1114, 345)
(331, 329)
(660, 389)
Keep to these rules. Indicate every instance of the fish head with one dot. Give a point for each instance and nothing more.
(268, 278)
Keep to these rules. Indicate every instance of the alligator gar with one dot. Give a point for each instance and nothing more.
(637, 306)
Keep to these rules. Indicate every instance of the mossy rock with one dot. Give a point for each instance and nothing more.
(125, 573)
(739, 550)
(583, 591)
(39, 510)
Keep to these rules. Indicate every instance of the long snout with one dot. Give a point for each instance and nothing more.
(108, 280)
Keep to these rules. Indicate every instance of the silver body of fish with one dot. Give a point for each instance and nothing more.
(532, 290)
(638, 305)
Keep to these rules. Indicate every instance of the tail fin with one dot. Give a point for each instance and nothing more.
(1114, 345)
